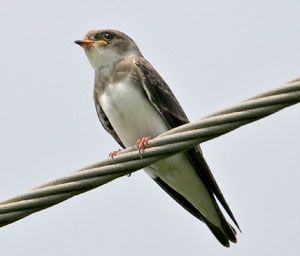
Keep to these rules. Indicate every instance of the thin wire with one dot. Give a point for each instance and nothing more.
(130, 160)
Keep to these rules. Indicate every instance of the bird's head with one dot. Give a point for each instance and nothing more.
(106, 47)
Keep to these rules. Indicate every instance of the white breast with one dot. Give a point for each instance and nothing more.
(130, 113)
(132, 116)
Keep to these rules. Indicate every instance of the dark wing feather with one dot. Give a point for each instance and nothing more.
(161, 96)
(105, 122)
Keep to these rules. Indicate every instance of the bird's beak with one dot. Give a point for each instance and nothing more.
(84, 42)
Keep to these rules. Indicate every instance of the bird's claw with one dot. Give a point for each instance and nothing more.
(142, 144)
(114, 153)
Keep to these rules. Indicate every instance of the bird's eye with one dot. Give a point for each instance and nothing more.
(108, 36)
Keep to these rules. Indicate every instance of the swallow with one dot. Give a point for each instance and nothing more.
(134, 103)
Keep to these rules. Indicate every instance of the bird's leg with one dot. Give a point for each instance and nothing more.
(114, 153)
(142, 143)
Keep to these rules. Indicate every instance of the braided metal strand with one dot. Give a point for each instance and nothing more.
(129, 160)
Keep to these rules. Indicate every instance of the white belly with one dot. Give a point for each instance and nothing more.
(131, 114)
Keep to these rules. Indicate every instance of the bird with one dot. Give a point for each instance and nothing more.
(134, 104)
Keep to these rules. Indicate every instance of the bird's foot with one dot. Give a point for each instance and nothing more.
(114, 153)
(142, 144)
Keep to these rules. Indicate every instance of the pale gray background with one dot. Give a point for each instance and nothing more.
(213, 54)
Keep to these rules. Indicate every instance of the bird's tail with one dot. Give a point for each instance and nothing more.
(225, 233)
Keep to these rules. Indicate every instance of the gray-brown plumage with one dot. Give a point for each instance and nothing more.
(133, 101)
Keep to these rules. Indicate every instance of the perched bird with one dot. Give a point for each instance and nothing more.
(134, 103)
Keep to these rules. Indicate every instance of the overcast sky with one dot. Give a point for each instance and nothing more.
(213, 54)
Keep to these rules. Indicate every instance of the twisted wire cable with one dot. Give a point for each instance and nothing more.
(130, 160)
